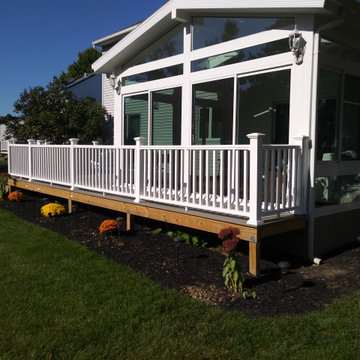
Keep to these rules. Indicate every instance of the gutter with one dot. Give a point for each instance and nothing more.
(314, 99)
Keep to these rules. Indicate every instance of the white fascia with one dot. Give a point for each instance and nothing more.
(180, 11)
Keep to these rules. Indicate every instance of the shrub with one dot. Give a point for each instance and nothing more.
(16, 196)
(108, 227)
(52, 209)
(3, 184)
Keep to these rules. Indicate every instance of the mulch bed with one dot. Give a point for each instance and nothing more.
(197, 271)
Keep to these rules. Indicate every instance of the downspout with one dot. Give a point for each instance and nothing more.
(314, 100)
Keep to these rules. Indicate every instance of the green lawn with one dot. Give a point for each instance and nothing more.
(59, 300)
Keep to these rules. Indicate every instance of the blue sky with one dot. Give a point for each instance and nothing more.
(40, 38)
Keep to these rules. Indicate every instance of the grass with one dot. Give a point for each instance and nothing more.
(59, 300)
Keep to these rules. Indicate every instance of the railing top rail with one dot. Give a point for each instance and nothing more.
(196, 147)
(280, 146)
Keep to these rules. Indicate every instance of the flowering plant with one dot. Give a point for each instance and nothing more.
(232, 275)
(16, 196)
(108, 226)
(52, 209)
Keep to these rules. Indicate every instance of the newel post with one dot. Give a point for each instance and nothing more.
(139, 166)
(303, 173)
(30, 142)
(255, 181)
(73, 142)
(9, 143)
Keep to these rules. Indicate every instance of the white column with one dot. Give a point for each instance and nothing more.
(73, 142)
(30, 142)
(139, 168)
(303, 172)
(256, 167)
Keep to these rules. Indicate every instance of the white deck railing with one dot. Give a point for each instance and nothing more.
(252, 180)
(4, 147)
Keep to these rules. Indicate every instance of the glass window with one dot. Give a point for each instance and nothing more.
(154, 75)
(135, 118)
(214, 30)
(339, 50)
(329, 89)
(170, 44)
(233, 57)
(213, 112)
(166, 117)
(337, 189)
(351, 119)
(263, 106)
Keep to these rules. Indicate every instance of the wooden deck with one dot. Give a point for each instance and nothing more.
(200, 220)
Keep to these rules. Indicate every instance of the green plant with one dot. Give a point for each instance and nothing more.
(187, 238)
(157, 231)
(3, 184)
(231, 273)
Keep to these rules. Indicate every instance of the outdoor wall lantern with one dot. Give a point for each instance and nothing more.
(115, 85)
(297, 45)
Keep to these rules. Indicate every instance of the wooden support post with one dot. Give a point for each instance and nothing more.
(254, 258)
(129, 222)
(70, 206)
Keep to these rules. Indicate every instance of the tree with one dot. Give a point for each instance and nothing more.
(54, 114)
(81, 66)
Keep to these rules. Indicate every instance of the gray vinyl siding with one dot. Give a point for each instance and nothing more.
(109, 105)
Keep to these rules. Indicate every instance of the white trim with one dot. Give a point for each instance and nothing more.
(174, 81)
(268, 62)
(154, 65)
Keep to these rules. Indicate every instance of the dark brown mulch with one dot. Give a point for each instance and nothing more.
(196, 271)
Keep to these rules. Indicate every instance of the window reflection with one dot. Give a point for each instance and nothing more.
(263, 106)
(213, 112)
(233, 57)
(209, 31)
(166, 117)
(154, 75)
(170, 44)
(328, 115)
(351, 119)
(135, 118)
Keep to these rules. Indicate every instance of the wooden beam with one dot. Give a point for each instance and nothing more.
(130, 222)
(254, 258)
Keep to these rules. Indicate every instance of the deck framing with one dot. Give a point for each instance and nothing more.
(173, 215)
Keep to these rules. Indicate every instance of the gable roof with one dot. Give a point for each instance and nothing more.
(175, 11)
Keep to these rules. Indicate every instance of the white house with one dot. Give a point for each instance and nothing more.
(242, 108)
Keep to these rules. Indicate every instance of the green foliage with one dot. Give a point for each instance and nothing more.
(54, 114)
(231, 273)
(81, 66)
(187, 238)
(157, 231)
(3, 185)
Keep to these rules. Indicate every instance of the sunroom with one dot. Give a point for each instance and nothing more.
(237, 108)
